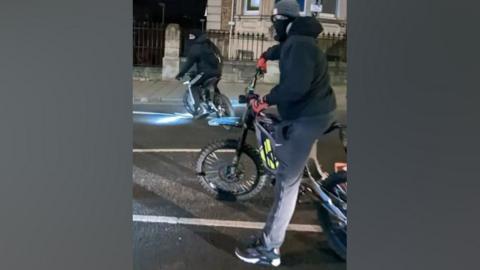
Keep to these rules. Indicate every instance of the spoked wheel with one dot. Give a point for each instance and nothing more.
(333, 227)
(222, 178)
(224, 106)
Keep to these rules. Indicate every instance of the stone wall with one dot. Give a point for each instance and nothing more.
(171, 63)
(214, 17)
(226, 14)
(240, 72)
(234, 71)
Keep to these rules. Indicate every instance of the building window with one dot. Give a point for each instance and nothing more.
(252, 7)
(329, 7)
(301, 3)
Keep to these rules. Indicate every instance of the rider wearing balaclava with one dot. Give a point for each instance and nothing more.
(287, 11)
(208, 60)
(306, 104)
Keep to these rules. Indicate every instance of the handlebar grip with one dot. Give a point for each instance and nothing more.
(243, 99)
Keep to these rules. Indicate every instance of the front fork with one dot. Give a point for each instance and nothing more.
(241, 143)
(190, 96)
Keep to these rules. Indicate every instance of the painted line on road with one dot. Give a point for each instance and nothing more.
(176, 150)
(220, 223)
(186, 115)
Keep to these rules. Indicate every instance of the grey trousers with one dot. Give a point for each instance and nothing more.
(297, 138)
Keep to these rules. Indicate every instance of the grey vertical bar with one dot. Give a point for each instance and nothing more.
(414, 135)
(66, 135)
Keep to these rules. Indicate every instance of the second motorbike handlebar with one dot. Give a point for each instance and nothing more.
(250, 90)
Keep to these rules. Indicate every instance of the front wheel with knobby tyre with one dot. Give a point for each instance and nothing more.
(221, 176)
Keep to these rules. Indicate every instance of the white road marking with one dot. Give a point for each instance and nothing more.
(166, 150)
(220, 223)
(177, 150)
(148, 113)
(186, 115)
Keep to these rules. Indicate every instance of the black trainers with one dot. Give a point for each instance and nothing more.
(256, 253)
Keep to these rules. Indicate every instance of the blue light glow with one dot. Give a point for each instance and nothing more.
(166, 119)
(235, 103)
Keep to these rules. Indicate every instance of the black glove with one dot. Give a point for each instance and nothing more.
(178, 77)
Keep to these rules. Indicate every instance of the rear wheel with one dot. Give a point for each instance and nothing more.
(219, 177)
(224, 106)
(336, 183)
(334, 229)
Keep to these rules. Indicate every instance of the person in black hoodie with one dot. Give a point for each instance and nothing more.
(208, 60)
(306, 104)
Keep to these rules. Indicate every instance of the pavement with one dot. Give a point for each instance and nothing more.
(158, 91)
(177, 225)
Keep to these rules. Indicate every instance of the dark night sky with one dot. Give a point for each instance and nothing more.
(185, 12)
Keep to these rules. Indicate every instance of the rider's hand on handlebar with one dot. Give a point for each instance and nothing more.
(262, 64)
(258, 105)
(252, 96)
(178, 77)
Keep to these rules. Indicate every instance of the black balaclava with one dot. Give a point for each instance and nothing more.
(280, 27)
(197, 33)
(288, 8)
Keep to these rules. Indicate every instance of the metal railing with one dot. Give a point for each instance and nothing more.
(148, 44)
(334, 46)
(249, 46)
(238, 46)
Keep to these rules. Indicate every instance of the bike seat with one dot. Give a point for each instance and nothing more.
(342, 132)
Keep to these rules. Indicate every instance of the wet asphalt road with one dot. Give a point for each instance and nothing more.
(164, 184)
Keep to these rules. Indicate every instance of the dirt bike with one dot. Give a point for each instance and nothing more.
(219, 103)
(240, 170)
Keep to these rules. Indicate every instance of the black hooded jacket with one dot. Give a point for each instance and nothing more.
(304, 89)
(206, 55)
